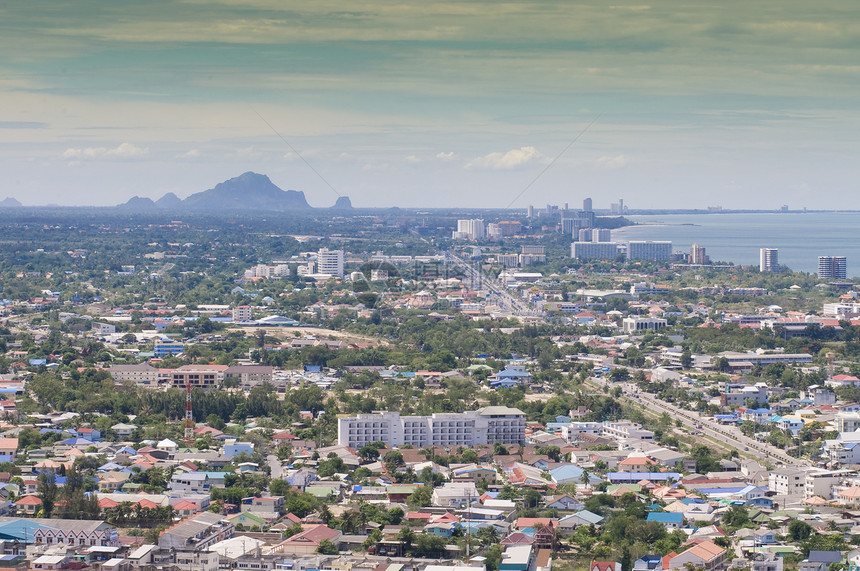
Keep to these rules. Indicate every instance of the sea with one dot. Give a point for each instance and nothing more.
(737, 238)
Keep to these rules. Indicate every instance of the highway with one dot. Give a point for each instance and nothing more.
(730, 435)
(505, 300)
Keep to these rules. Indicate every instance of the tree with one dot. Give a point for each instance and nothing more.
(420, 497)
(626, 559)
(406, 536)
(46, 489)
(799, 530)
(327, 547)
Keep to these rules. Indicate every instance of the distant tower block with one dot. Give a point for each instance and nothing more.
(768, 260)
(601, 235)
(698, 255)
(531, 211)
(832, 267)
(585, 235)
(586, 205)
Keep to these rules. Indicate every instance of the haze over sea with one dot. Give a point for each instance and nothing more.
(737, 238)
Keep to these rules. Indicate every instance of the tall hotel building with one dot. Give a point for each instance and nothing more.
(832, 267)
(768, 260)
(330, 262)
(656, 251)
(487, 425)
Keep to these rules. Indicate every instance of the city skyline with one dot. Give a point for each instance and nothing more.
(433, 105)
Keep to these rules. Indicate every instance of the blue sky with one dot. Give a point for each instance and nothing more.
(433, 104)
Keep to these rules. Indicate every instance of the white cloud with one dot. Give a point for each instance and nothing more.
(123, 151)
(508, 160)
(192, 154)
(412, 159)
(445, 156)
(612, 163)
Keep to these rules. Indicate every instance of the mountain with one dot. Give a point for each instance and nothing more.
(169, 201)
(250, 191)
(343, 203)
(138, 203)
(9, 202)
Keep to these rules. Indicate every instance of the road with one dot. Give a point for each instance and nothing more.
(506, 301)
(275, 465)
(730, 435)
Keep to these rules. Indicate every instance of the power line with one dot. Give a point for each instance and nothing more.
(298, 154)
(552, 162)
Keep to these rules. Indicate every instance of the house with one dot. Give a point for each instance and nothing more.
(113, 481)
(510, 376)
(820, 560)
(570, 522)
(604, 566)
(123, 430)
(455, 494)
(233, 449)
(193, 482)
(307, 541)
(28, 505)
(706, 555)
(669, 520)
(564, 502)
(8, 450)
(90, 434)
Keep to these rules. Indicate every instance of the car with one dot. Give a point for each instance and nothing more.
(746, 448)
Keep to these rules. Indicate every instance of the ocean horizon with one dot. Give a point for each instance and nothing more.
(736, 238)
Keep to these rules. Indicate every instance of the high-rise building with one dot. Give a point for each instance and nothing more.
(470, 230)
(531, 211)
(585, 234)
(601, 235)
(330, 262)
(768, 260)
(832, 267)
(648, 250)
(594, 250)
(698, 255)
(586, 205)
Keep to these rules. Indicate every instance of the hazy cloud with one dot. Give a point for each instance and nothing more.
(445, 156)
(123, 151)
(612, 163)
(507, 160)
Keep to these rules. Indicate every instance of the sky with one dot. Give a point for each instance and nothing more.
(418, 103)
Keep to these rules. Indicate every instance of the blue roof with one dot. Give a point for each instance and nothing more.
(665, 517)
(21, 529)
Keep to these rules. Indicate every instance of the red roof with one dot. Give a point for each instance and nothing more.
(106, 503)
(29, 501)
(144, 503)
(185, 505)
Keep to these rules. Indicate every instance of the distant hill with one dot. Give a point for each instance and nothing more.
(250, 191)
(169, 200)
(343, 203)
(138, 203)
(9, 202)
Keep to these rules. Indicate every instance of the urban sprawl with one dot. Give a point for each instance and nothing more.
(398, 390)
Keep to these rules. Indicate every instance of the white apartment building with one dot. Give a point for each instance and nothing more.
(571, 432)
(142, 374)
(768, 260)
(788, 481)
(636, 324)
(487, 425)
(648, 250)
(594, 250)
(821, 482)
(330, 262)
(470, 230)
(626, 429)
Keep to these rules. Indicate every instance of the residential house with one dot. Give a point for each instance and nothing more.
(706, 555)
